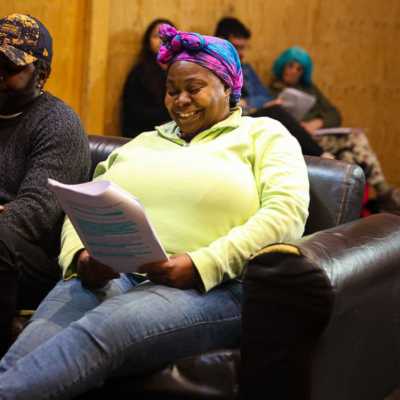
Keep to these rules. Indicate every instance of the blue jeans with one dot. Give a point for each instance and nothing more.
(78, 338)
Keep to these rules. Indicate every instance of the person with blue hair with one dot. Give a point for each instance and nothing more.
(301, 57)
(294, 68)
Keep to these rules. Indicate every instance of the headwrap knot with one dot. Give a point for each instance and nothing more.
(175, 41)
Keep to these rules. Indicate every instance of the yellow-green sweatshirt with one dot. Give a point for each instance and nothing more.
(236, 187)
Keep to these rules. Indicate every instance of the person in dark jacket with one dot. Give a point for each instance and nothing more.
(256, 99)
(40, 138)
(144, 90)
(293, 68)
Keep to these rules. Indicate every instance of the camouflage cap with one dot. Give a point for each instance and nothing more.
(24, 39)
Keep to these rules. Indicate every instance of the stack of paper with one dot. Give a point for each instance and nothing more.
(296, 102)
(334, 131)
(111, 223)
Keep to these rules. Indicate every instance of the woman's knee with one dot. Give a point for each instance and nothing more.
(147, 313)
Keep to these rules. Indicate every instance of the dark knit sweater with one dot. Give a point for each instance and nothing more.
(46, 141)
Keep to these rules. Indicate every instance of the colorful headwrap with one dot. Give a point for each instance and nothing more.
(217, 55)
(294, 54)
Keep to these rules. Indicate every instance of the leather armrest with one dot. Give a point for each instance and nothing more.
(344, 261)
(293, 291)
(356, 256)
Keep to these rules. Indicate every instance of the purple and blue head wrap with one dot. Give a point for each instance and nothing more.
(217, 55)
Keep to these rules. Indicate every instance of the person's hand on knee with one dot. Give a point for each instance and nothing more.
(178, 271)
(92, 273)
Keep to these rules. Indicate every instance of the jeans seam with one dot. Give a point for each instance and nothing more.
(80, 378)
(197, 324)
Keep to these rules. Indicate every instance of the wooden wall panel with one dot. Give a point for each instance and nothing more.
(65, 20)
(354, 45)
(95, 69)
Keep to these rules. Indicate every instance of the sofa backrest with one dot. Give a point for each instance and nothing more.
(336, 193)
(336, 187)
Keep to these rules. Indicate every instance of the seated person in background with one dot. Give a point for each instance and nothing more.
(143, 94)
(293, 68)
(256, 99)
(217, 187)
(40, 138)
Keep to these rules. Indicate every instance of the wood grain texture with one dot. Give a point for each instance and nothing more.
(354, 45)
(65, 21)
(95, 69)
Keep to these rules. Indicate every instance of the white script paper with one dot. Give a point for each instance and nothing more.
(335, 131)
(111, 223)
(297, 102)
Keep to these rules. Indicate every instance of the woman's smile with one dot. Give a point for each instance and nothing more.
(187, 116)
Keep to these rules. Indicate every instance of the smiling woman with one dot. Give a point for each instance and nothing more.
(196, 98)
(217, 187)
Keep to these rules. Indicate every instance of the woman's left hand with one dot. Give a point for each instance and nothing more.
(178, 271)
(92, 273)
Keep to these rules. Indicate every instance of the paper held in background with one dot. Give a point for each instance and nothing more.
(111, 223)
(336, 131)
(296, 102)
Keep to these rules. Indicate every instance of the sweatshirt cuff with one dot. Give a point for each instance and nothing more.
(210, 274)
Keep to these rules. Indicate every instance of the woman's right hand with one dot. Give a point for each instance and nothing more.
(92, 273)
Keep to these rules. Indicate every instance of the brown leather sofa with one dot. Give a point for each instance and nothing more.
(306, 308)
(319, 316)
